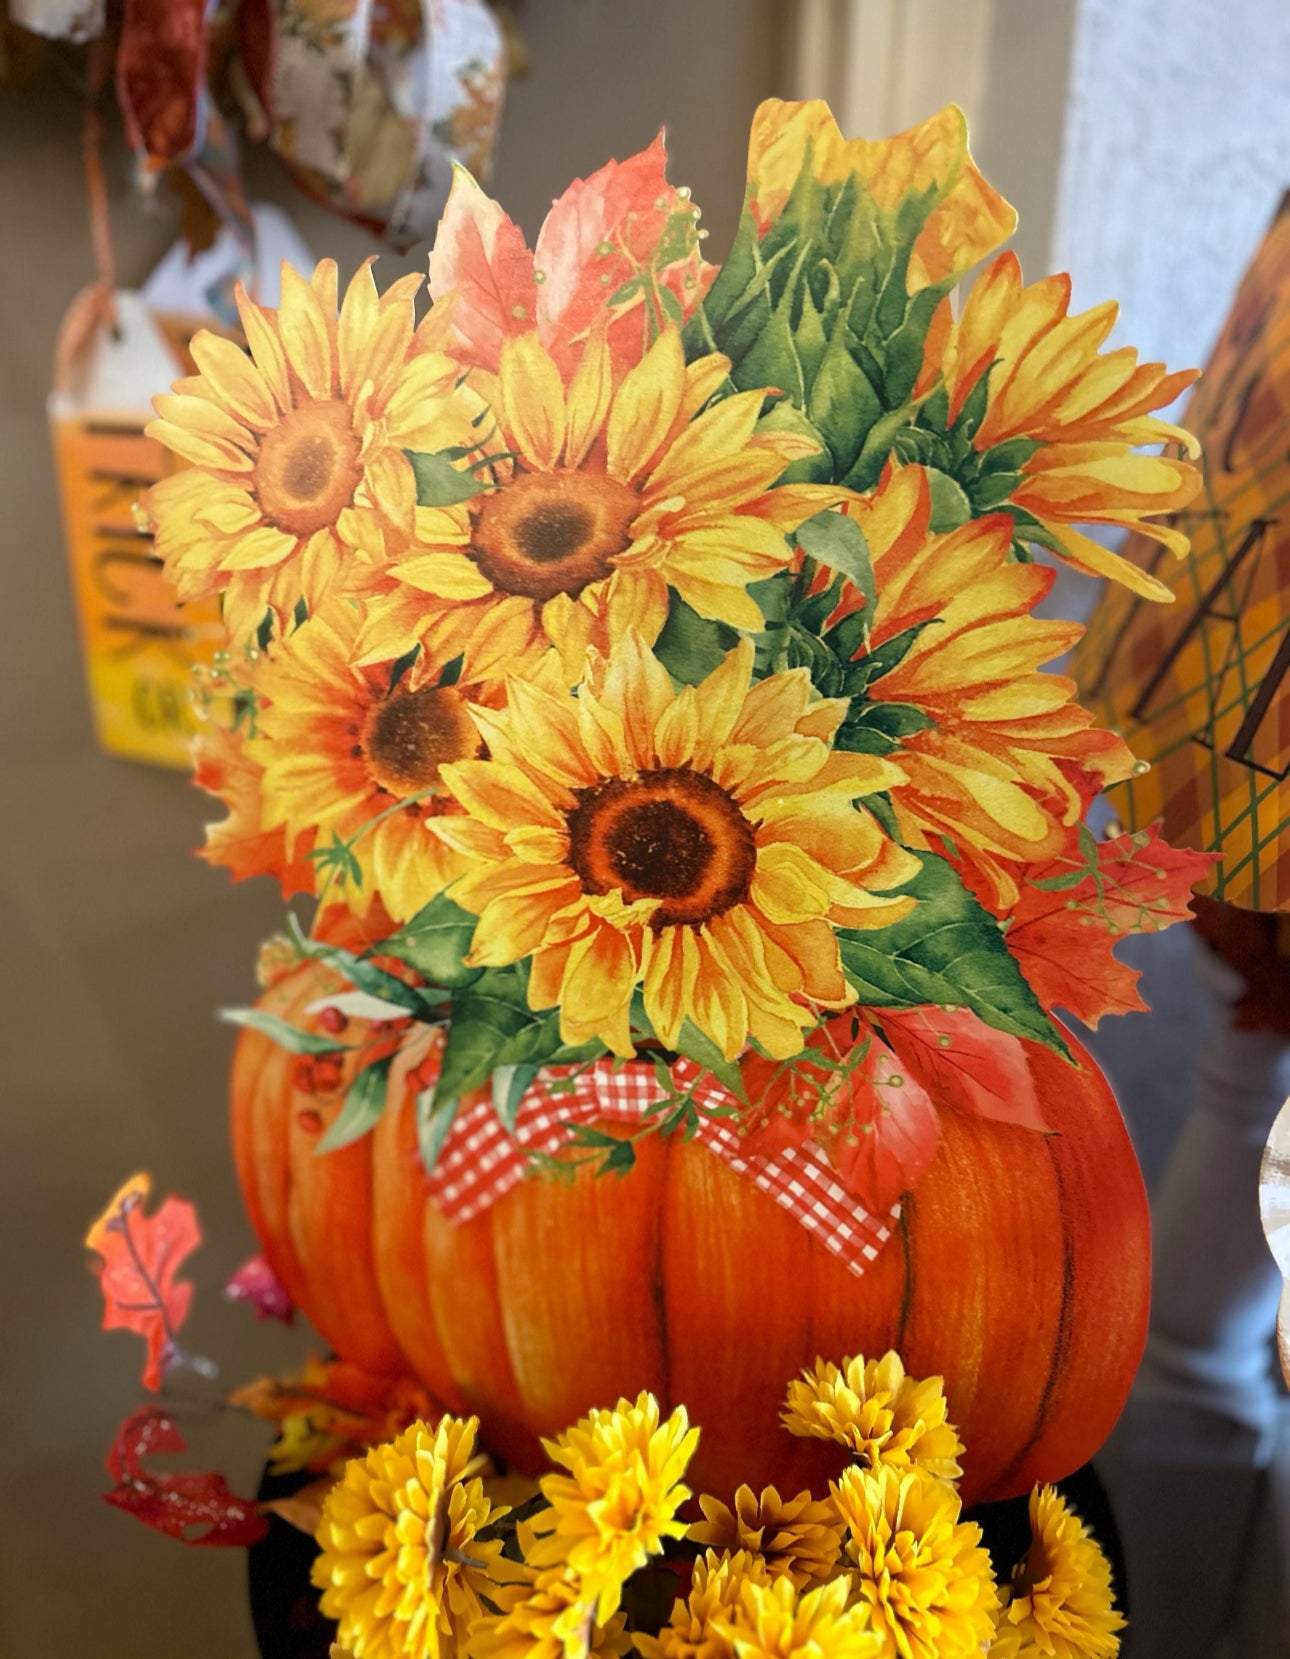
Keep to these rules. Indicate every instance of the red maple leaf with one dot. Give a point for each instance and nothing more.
(1074, 909)
(962, 1062)
(139, 1258)
(864, 1108)
(194, 1506)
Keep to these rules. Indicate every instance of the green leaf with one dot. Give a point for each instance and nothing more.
(691, 646)
(696, 1045)
(950, 506)
(876, 448)
(837, 541)
(281, 1032)
(509, 1084)
(434, 1120)
(363, 1106)
(401, 665)
(810, 469)
(890, 654)
(435, 942)
(440, 483)
(948, 952)
(368, 977)
(842, 404)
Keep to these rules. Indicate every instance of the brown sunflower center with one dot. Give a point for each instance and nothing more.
(553, 532)
(412, 734)
(669, 834)
(308, 468)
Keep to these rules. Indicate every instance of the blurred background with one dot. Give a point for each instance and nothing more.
(1145, 144)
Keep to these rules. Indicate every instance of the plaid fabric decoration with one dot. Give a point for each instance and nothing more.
(1200, 689)
(480, 1161)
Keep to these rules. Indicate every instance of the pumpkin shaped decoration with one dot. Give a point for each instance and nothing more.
(637, 661)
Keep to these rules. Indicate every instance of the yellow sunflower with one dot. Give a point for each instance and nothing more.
(999, 757)
(1060, 1604)
(1072, 415)
(702, 844)
(402, 1566)
(968, 220)
(601, 496)
(796, 1537)
(699, 1624)
(346, 758)
(296, 451)
(921, 1571)
(617, 1504)
(881, 1415)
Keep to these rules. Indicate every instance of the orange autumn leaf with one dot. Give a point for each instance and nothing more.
(330, 1410)
(868, 1111)
(240, 842)
(139, 1256)
(1076, 908)
(611, 245)
(962, 1062)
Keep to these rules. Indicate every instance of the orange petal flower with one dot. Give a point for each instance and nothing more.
(1079, 414)
(1008, 757)
(970, 218)
(703, 844)
(343, 755)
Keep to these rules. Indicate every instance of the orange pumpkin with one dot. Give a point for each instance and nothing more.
(1019, 1271)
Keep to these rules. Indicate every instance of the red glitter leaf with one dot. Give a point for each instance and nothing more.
(192, 1506)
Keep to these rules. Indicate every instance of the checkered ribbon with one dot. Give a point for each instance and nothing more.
(480, 1161)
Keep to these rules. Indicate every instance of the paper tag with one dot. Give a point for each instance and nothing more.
(139, 644)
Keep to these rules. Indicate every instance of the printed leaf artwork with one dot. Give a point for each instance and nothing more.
(948, 952)
(1074, 911)
(193, 1507)
(967, 1065)
(139, 1258)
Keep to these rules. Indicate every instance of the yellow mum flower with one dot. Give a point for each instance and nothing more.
(603, 497)
(699, 1625)
(1060, 1603)
(1004, 749)
(881, 1415)
(774, 1622)
(920, 1571)
(969, 219)
(703, 844)
(342, 754)
(795, 1537)
(402, 1566)
(547, 1616)
(297, 450)
(1071, 414)
(618, 1503)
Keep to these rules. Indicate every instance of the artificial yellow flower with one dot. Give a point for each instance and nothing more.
(403, 1567)
(298, 478)
(774, 1622)
(881, 1415)
(1005, 756)
(618, 1503)
(342, 754)
(703, 844)
(1060, 1604)
(968, 220)
(547, 1616)
(920, 1571)
(1079, 412)
(700, 1621)
(604, 494)
(796, 1537)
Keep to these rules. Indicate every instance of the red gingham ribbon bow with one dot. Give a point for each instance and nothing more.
(480, 1161)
